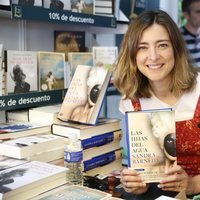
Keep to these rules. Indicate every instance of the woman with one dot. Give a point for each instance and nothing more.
(154, 70)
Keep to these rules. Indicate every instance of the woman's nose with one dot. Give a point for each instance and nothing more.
(153, 54)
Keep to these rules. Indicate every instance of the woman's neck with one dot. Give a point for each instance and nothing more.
(163, 93)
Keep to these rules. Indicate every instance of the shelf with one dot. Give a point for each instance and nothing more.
(31, 99)
(66, 17)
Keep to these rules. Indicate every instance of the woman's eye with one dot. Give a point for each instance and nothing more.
(142, 48)
(163, 45)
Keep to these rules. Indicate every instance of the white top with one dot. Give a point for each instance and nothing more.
(184, 108)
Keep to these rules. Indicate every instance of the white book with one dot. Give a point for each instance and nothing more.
(22, 74)
(50, 155)
(22, 129)
(74, 192)
(46, 114)
(30, 179)
(27, 146)
(17, 116)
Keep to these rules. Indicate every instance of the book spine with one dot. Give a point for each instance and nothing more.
(100, 160)
(100, 139)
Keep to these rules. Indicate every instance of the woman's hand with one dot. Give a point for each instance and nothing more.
(177, 180)
(132, 182)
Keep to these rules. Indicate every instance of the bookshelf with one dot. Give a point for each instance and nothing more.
(63, 17)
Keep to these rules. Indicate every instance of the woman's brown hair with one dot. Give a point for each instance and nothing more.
(128, 79)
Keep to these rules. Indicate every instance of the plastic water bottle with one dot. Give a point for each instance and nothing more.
(73, 156)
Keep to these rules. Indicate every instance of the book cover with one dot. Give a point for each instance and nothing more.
(68, 129)
(57, 5)
(85, 95)
(51, 70)
(15, 130)
(25, 147)
(79, 58)
(105, 56)
(30, 179)
(7, 162)
(22, 71)
(74, 192)
(28, 2)
(151, 142)
(69, 41)
(82, 6)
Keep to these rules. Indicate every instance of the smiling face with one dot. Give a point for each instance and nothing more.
(155, 55)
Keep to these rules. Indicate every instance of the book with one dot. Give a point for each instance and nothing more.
(104, 7)
(30, 179)
(69, 41)
(67, 129)
(57, 5)
(116, 165)
(79, 58)
(82, 6)
(85, 95)
(15, 130)
(151, 142)
(74, 192)
(13, 116)
(49, 155)
(101, 139)
(51, 70)
(7, 162)
(25, 147)
(28, 2)
(101, 160)
(97, 151)
(46, 114)
(22, 71)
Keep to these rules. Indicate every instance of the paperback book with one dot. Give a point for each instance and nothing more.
(15, 130)
(30, 179)
(25, 147)
(67, 129)
(85, 95)
(79, 58)
(22, 71)
(82, 6)
(151, 142)
(69, 41)
(51, 70)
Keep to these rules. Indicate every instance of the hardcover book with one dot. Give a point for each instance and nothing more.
(51, 70)
(69, 41)
(85, 95)
(104, 7)
(16, 130)
(82, 6)
(151, 142)
(74, 192)
(79, 58)
(68, 129)
(22, 71)
(30, 179)
(25, 147)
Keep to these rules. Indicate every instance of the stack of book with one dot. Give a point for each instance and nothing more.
(30, 179)
(79, 115)
(44, 147)
(101, 144)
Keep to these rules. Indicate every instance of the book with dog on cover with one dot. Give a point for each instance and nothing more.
(151, 141)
